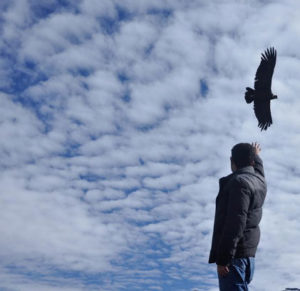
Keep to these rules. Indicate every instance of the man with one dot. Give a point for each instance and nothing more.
(238, 213)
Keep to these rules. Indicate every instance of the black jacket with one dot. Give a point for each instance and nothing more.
(238, 213)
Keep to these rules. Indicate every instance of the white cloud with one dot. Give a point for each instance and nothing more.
(110, 155)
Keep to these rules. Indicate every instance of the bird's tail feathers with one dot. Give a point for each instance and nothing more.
(249, 95)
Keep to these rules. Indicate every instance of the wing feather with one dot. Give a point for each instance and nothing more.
(262, 112)
(264, 73)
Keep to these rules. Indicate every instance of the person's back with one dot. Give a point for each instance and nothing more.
(238, 213)
(256, 184)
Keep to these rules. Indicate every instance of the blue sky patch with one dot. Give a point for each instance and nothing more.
(203, 88)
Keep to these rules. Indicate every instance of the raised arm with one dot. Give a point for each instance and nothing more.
(258, 163)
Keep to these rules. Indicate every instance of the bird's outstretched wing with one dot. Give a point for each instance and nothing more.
(262, 111)
(264, 73)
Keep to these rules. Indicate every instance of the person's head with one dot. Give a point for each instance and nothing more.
(242, 155)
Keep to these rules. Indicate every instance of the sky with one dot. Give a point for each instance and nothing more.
(117, 118)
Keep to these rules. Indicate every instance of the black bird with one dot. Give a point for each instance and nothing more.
(262, 95)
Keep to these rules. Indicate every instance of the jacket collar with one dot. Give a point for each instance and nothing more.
(248, 169)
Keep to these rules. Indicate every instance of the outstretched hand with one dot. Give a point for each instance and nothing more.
(257, 148)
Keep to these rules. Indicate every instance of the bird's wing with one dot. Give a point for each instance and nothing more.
(263, 113)
(264, 73)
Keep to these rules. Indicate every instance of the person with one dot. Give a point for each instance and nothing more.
(236, 232)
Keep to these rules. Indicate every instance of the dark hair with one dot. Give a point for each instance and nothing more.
(243, 155)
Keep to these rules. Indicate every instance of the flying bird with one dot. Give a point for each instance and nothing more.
(262, 93)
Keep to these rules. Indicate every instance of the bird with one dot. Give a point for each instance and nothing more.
(262, 94)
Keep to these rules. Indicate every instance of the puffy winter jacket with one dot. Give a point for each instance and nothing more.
(238, 213)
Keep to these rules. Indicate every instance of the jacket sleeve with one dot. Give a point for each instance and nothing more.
(235, 221)
(258, 165)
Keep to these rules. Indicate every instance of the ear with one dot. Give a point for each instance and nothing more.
(233, 165)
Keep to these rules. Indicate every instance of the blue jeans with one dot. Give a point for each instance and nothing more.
(240, 275)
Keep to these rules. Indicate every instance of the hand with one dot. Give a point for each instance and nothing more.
(222, 270)
(257, 148)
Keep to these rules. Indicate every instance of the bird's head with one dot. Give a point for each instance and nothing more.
(274, 97)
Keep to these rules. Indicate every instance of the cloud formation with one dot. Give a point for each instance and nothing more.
(117, 119)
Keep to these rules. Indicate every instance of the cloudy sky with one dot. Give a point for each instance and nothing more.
(116, 121)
